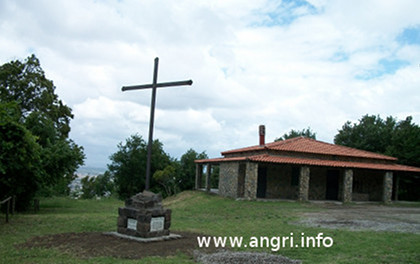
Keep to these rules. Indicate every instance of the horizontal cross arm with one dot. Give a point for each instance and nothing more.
(158, 85)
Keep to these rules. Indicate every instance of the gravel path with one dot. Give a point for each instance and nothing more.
(365, 217)
(228, 257)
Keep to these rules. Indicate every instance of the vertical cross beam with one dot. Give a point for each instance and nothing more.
(151, 124)
(154, 87)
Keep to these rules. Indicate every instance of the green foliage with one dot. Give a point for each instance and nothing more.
(128, 168)
(167, 178)
(372, 133)
(104, 184)
(186, 178)
(128, 165)
(61, 156)
(306, 132)
(406, 142)
(46, 119)
(214, 177)
(19, 157)
(26, 84)
(99, 186)
(400, 139)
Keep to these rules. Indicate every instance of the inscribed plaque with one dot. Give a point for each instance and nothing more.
(157, 224)
(131, 223)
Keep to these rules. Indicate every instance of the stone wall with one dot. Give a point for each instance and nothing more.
(228, 179)
(317, 183)
(367, 185)
(241, 180)
(251, 180)
(279, 182)
(353, 185)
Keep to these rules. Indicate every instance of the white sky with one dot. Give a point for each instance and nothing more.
(285, 64)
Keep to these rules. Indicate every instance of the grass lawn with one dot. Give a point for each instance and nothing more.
(206, 214)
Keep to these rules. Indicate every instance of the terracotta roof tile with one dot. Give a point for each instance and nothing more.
(311, 146)
(222, 159)
(315, 162)
(332, 163)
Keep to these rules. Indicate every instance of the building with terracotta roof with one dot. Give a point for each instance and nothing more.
(304, 169)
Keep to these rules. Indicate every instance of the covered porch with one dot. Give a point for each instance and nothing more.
(243, 178)
(207, 177)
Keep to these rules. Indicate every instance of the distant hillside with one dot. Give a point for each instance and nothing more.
(76, 185)
(91, 171)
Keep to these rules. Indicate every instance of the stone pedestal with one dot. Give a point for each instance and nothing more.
(144, 216)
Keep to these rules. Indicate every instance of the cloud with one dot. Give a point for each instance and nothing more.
(288, 65)
(103, 123)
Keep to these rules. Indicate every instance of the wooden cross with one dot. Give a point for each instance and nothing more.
(154, 86)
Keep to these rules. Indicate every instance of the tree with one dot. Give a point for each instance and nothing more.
(214, 177)
(400, 139)
(104, 184)
(44, 116)
(167, 178)
(88, 187)
(405, 142)
(20, 173)
(306, 132)
(61, 156)
(371, 133)
(128, 165)
(26, 84)
(187, 173)
(99, 186)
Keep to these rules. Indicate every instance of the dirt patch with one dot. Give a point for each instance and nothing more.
(95, 244)
(365, 217)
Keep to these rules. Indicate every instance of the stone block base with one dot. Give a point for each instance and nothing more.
(144, 216)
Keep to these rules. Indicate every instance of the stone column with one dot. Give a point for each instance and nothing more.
(208, 184)
(198, 175)
(347, 186)
(251, 180)
(304, 183)
(387, 187)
